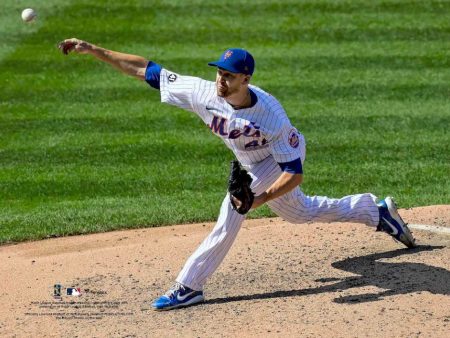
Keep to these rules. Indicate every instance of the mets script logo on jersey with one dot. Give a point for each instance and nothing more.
(293, 138)
(219, 126)
(227, 54)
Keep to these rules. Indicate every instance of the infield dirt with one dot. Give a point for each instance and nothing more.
(279, 279)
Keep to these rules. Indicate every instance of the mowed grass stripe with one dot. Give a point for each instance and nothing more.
(105, 214)
(86, 131)
(407, 92)
(314, 64)
(116, 36)
(360, 22)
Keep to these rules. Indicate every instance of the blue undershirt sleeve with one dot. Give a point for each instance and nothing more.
(152, 74)
(293, 167)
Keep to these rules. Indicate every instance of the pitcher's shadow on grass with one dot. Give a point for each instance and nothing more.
(395, 278)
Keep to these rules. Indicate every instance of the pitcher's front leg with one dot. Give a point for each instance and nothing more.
(211, 252)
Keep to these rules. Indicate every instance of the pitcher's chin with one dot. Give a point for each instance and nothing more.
(222, 92)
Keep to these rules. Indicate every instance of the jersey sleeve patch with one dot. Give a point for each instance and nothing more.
(172, 77)
(287, 145)
(293, 138)
(186, 92)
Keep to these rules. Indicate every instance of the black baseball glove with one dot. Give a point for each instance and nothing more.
(239, 187)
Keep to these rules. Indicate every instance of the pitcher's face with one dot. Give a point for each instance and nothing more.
(228, 83)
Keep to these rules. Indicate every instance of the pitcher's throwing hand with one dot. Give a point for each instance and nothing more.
(75, 45)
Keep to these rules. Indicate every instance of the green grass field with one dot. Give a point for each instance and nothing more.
(84, 148)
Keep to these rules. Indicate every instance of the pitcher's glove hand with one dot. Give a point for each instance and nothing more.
(241, 196)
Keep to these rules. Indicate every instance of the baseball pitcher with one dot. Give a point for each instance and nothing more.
(270, 155)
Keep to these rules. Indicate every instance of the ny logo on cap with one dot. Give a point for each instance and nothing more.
(227, 54)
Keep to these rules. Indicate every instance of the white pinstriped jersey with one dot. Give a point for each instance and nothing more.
(260, 136)
(253, 133)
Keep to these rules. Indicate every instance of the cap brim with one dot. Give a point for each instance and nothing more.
(223, 65)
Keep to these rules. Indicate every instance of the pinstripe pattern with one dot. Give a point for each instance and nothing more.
(296, 207)
(264, 128)
(260, 137)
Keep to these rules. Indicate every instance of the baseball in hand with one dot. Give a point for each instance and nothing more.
(28, 15)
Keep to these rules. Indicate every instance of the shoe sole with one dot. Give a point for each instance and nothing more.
(406, 236)
(195, 300)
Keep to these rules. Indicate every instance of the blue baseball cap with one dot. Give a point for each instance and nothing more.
(236, 60)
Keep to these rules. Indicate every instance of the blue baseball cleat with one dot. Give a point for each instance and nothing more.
(392, 223)
(178, 296)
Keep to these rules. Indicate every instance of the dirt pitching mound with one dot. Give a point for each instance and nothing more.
(279, 279)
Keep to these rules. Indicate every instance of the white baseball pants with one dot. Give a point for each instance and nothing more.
(294, 207)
